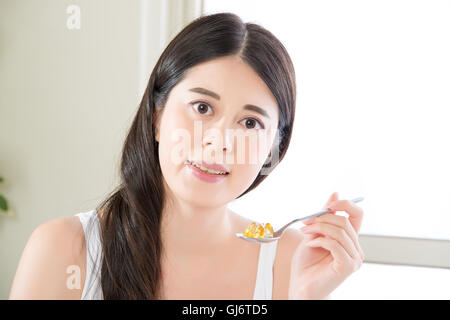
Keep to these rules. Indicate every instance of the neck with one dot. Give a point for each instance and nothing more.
(189, 230)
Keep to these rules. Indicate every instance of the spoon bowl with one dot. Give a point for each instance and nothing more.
(241, 235)
(277, 234)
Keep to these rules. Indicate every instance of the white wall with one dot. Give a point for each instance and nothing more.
(395, 282)
(66, 100)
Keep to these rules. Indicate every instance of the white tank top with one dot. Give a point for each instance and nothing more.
(92, 287)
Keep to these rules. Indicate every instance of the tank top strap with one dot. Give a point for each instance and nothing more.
(91, 227)
(264, 277)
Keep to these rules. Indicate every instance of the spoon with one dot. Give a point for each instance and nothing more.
(277, 234)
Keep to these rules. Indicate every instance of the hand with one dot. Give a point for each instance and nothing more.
(329, 252)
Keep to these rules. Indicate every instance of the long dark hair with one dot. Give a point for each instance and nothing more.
(131, 214)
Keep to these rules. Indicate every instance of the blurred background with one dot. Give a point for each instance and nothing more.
(373, 102)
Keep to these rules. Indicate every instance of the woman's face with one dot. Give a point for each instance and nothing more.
(211, 116)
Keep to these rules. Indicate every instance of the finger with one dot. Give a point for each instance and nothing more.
(341, 222)
(355, 213)
(336, 233)
(341, 257)
(333, 198)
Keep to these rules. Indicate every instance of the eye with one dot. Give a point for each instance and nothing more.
(250, 123)
(202, 107)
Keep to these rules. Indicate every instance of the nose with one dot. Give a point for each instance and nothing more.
(219, 140)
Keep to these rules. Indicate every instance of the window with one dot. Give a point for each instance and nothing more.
(371, 120)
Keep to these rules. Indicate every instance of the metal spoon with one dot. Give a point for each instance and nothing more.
(277, 234)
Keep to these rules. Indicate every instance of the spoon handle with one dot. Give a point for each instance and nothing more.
(280, 232)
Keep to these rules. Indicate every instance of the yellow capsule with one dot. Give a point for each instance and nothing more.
(268, 230)
(254, 230)
(259, 232)
(250, 230)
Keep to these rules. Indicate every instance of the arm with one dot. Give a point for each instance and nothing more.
(54, 248)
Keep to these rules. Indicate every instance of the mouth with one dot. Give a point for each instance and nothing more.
(209, 168)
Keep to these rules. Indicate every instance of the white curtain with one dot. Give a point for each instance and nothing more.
(160, 21)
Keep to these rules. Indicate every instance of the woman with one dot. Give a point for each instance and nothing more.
(166, 232)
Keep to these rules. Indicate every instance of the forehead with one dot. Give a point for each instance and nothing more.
(236, 83)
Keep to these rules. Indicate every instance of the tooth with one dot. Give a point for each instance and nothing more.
(207, 170)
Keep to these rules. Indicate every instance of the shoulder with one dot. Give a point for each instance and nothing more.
(282, 266)
(54, 252)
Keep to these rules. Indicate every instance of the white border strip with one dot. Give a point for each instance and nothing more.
(406, 251)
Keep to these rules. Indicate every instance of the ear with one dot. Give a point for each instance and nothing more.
(157, 132)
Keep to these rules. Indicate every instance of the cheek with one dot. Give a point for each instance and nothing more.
(175, 119)
(252, 151)
(242, 177)
(175, 139)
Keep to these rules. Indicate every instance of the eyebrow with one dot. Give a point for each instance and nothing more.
(250, 107)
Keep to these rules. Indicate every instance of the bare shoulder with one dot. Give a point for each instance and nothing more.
(52, 265)
(282, 266)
